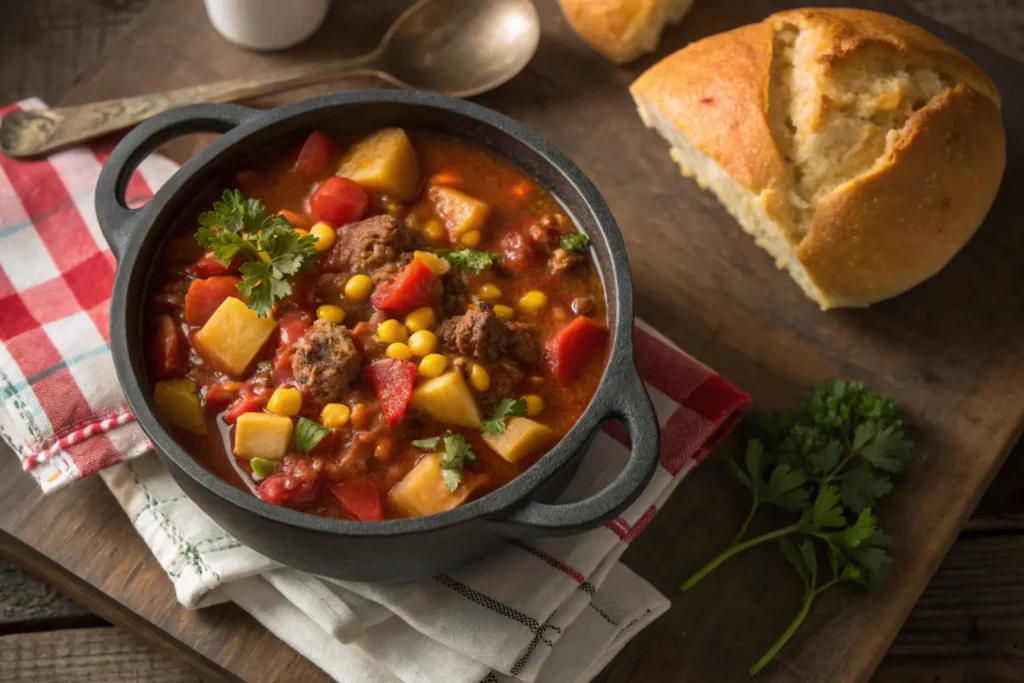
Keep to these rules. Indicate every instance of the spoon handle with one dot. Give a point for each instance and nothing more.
(34, 132)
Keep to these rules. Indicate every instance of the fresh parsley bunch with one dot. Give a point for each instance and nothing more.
(271, 247)
(830, 461)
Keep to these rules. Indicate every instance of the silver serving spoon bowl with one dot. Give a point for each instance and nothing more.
(455, 47)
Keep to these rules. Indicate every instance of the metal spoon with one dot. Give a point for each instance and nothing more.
(456, 47)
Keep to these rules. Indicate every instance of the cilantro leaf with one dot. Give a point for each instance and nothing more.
(862, 486)
(861, 530)
(827, 511)
(824, 460)
(577, 242)
(507, 407)
(456, 454)
(873, 557)
(308, 434)
(427, 444)
(785, 488)
(261, 285)
(475, 262)
(887, 450)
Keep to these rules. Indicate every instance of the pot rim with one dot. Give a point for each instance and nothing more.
(615, 276)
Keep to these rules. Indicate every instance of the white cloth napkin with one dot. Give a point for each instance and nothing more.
(546, 610)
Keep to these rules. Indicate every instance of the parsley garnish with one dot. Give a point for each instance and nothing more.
(456, 454)
(830, 461)
(466, 259)
(271, 247)
(507, 407)
(427, 444)
(577, 242)
(308, 434)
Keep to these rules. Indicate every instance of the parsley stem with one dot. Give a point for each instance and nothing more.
(736, 549)
(746, 523)
(835, 473)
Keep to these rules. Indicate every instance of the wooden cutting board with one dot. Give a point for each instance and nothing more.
(949, 351)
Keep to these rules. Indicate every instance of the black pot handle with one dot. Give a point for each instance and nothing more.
(115, 218)
(630, 403)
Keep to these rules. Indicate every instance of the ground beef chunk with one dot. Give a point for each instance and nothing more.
(544, 234)
(454, 298)
(369, 245)
(564, 261)
(505, 376)
(483, 336)
(325, 361)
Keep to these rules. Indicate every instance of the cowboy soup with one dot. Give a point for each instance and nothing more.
(376, 327)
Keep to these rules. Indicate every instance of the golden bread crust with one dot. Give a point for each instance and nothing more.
(621, 30)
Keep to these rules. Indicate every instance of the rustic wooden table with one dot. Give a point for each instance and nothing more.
(966, 626)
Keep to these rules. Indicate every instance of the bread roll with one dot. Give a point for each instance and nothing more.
(622, 30)
(860, 151)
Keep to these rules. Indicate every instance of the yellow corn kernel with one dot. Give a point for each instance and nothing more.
(534, 405)
(398, 351)
(285, 401)
(421, 319)
(335, 415)
(334, 314)
(479, 378)
(324, 234)
(488, 292)
(434, 230)
(300, 232)
(358, 287)
(392, 331)
(438, 266)
(505, 312)
(533, 301)
(433, 365)
(423, 343)
(470, 239)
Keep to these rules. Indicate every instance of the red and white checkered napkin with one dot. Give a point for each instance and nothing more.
(545, 610)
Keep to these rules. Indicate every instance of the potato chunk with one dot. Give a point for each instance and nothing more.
(460, 212)
(384, 162)
(177, 401)
(448, 400)
(520, 438)
(422, 491)
(260, 435)
(233, 336)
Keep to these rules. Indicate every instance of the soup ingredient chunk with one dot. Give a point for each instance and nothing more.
(338, 201)
(177, 401)
(392, 380)
(460, 212)
(360, 498)
(370, 245)
(479, 333)
(233, 336)
(423, 490)
(448, 400)
(316, 155)
(521, 437)
(261, 435)
(294, 486)
(168, 353)
(384, 162)
(413, 287)
(573, 346)
(205, 296)
(325, 361)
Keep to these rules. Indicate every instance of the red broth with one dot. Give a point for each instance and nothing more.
(530, 325)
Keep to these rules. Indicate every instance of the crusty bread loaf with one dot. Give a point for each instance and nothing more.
(860, 151)
(622, 30)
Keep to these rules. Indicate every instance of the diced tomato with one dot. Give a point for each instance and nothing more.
(205, 296)
(392, 380)
(413, 287)
(251, 398)
(219, 396)
(573, 346)
(516, 251)
(360, 498)
(291, 328)
(338, 201)
(361, 329)
(297, 220)
(316, 155)
(208, 265)
(168, 351)
(294, 485)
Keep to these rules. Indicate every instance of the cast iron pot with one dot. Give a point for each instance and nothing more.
(399, 549)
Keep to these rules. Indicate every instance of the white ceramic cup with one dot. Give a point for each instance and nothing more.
(266, 24)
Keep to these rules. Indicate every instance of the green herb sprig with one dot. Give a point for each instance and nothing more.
(475, 262)
(308, 434)
(836, 455)
(506, 408)
(272, 249)
(577, 242)
(456, 455)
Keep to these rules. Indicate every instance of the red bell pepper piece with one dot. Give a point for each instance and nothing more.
(219, 396)
(291, 328)
(392, 380)
(205, 296)
(360, 498)
(168, 351)
(414, 286)
(572, 347)
(316, 155)
(208, 265)
(251, 398)
(338, 201)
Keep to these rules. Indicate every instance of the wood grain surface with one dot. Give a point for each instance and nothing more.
(949, 351)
